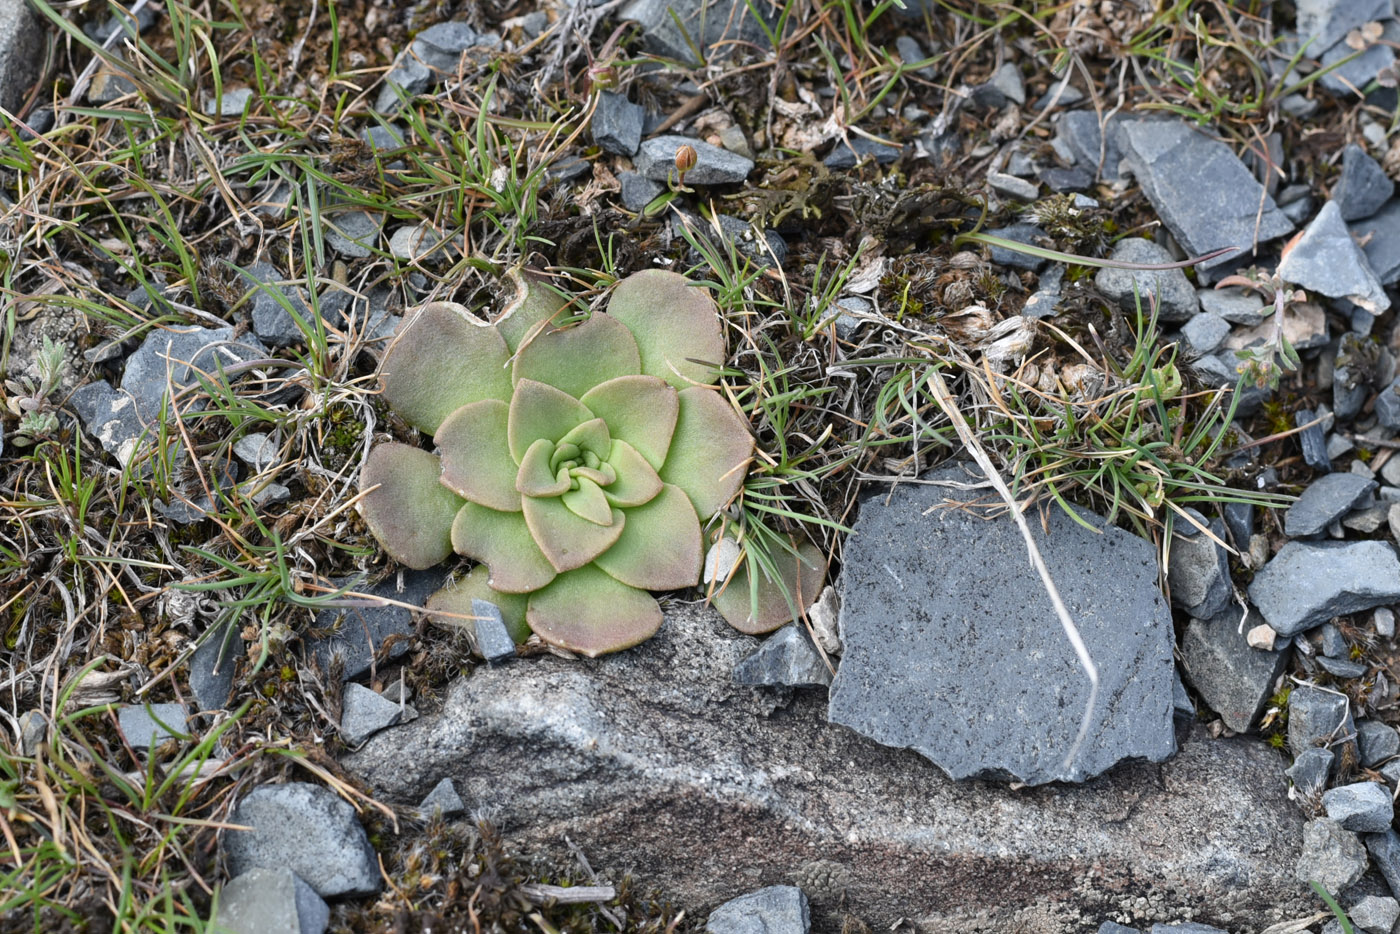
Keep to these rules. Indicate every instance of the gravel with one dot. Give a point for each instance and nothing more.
(1308, 583)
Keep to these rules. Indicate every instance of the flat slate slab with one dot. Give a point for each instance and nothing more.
(1233, 678)
(356, 634)
(1203, 193)
(1308, 583)
(952, 647)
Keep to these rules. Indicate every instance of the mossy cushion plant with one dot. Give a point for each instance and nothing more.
(577, 464)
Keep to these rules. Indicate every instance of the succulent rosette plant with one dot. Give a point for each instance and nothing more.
(577, 464)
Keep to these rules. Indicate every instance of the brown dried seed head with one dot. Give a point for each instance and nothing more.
(686, 157)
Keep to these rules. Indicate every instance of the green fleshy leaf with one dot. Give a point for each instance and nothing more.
(675, 324)
(476, 462)
(568, 541)
(441, 361)
(535, 304)
(502, 541)
(708, 451)
(540, 411)
(536, 477)
(457, 597)
(603, 476)
(661, 547)
(636, 482)
(590, 612)
(640, 410)
(591, 437)
(588, 502)
(578, 358)
(802, 580)
(411, 512)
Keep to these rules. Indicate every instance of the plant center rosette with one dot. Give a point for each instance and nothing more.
(578, 464)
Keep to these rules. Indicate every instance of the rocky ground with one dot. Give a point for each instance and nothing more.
(1129, 269)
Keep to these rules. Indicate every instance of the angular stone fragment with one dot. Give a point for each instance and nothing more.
(1319, 718)
(1379, 238)
(1385, 853)
(1327, 260)
(354, 234)
(711, 28)
(946, 629)
(1309, 773)
(364, 713)
(1021, 233)
(1363, 807)
(846, 155)
(1388, 405)
(1185, 927)
(778, 909)
(1332, 856)
(1324, 23)
(1374, 914)
(1205, 332)
(656, 160)
(493, 640)
(443, 800)
(151, 724)
(1198, 570)
(270, 901)
(1205, 196)
(1313, 441)
(638, 191)
(1363, 187)
(617, 124)
(785, 659)
(1175, 295)
(1235, 305)
(211, 668)
(1232, 678)
(354, 636)
(1325, 501)
(309, 830)
(1308, 583)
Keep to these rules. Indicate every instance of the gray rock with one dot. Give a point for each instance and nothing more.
(211, 668)
(1012, 187)
(1334, 644)
(848, 153)
(354, 234)
(1021, 233)
(364, 713)
(1049, 291)
(567, 170)
(1374, 914)
(1325, 501)
(151, 724)
(1185, 927)
(1337, 445)
(1005, 85)
(1379, 238)
(1324, 23)
(1348, 79)
(443, 800)
(110, 416)
(257, 450)
(1309, 773)
(778, 909)
(1175, 295)
(309, 830)
(272, 306)
(417, 242)
(617, 124)
(711, 27)
(230, 104)
(1079, 129)
(1111, 927)
(744, 239)
(1234, 679)
(786, 658)
(1349, 392)
(434, 54)
(1341, 667)
(1205, 332)
(1235, 305)
(1313, 441)
(1204, 195)
(1318, 718)
(1060, 94)
(971, 602)
(1239, 518)
(656, 160)
(598, 750)
(1384, 618)
(1332, 856)
(1058, 179)
(1327, 260)
(271, 901)
(356, 634)
(22, 40)
(1181, 701)
(33, 730)
(637, 191)
(1388, 407)
(1308, 583)
(1385, 853)
(1198, 569)
(493, 640)
(1363, 188)
(1363, 807)
(383, 138)
(910, 52)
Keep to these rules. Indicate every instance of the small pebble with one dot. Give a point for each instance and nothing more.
(1383, 619)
